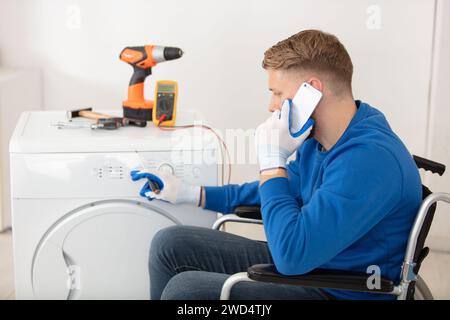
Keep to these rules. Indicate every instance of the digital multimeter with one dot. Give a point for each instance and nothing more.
(165, 105)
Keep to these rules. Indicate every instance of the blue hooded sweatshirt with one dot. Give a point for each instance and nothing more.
(347, 208)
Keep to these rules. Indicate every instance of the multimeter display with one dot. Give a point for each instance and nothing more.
(166, 88)
(165, 101)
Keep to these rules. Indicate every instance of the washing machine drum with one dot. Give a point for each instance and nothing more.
(99, 251)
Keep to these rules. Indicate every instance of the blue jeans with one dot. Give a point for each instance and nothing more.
(193, 263)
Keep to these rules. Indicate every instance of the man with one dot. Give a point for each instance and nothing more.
(346, 202)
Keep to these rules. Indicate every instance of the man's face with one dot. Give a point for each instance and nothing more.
(283, 85)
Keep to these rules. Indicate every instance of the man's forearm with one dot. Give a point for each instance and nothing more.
(226, 198)
(264, 176)
(272, 173)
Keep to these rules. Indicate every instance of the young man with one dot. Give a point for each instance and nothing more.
(346, 202)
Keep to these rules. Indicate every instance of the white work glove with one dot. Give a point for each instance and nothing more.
(171, 188)
(274, 140)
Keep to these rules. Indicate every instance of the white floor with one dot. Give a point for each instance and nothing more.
(6, 267)
(434, 271)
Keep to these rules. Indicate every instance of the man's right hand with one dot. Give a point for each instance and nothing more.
(275, 142)
(172, 189)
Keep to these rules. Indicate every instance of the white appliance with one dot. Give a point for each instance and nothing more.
(80, 228)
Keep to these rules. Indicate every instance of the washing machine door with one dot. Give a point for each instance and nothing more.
(98, 251)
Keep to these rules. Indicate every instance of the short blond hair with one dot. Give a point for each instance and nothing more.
(312, 50)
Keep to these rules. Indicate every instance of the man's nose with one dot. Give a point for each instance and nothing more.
(274, 106)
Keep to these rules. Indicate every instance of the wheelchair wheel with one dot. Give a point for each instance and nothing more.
(422, 291)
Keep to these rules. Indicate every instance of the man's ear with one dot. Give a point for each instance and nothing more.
(316, 83)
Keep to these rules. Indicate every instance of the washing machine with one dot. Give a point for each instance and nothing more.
(80, 228)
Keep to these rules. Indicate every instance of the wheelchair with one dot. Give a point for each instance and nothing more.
(411, 285)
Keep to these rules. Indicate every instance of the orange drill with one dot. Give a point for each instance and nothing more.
(143, 59)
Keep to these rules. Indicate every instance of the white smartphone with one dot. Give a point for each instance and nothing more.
(305, 101)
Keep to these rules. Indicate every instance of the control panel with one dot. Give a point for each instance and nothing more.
(98, 175)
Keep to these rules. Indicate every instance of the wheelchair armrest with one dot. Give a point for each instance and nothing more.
(250, 212)
(233, 218)
(320, 278)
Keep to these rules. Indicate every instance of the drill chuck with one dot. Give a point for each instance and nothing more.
(160, 54)
(172, 53)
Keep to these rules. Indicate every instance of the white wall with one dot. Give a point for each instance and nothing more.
(224, 43)
(19, 91)
(438, 144)
(76, 43)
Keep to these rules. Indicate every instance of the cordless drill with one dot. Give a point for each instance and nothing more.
(143, 59)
